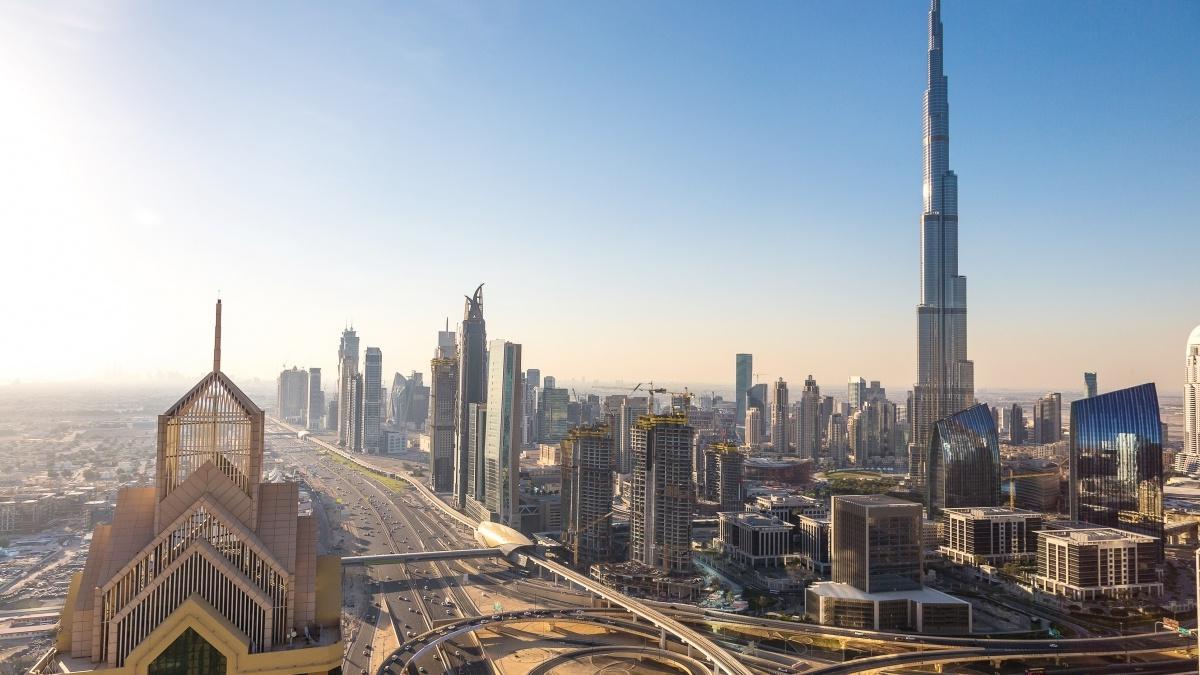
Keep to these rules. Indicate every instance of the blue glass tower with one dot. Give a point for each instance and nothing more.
(743, 379)
(964, 461)
(1116, 461)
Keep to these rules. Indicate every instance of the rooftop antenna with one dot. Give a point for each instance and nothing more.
(217, 338)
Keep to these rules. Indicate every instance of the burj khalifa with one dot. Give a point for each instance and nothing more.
(946, 378)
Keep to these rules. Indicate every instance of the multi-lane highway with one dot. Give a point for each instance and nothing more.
(383, 515)
(370, 517)
(372, 520)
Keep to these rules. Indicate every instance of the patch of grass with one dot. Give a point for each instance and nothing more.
(393, 484)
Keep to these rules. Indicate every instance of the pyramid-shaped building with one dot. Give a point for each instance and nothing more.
(211, 570)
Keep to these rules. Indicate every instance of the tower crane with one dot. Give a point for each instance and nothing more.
(652, 390)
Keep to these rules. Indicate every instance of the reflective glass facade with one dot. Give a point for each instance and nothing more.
(1116, 461)
(189, 654)
(946, 377)
(502, 441)
(472, 389)
(876, 542)
(964, 461)
(744, 379)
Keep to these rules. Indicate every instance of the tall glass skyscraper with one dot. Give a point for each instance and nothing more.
(779, 417)
(347, 371)
(743, 380)
(372, 408)
(964, 461)
(1191, 394)
(502, 437)
(1116, 461)
(946, 378)
(443, 400)
(472, 389)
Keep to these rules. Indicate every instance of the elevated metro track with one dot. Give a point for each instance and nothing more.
(421, 556)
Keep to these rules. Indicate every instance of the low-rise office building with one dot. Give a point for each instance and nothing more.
(1097, 562)
(783, 505)
(989, 535)
(810, 542)
(754, 539)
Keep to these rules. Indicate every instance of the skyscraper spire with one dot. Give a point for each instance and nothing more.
(946, 379)
(217, 340)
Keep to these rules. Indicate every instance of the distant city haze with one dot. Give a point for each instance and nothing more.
(645, 190)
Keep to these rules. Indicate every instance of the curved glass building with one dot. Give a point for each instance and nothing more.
(1116, 461)
(964, 461)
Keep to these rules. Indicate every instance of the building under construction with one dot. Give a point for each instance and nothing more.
(587, 491)
(660, 532)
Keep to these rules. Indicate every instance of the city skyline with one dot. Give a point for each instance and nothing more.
(379, 162)
(786, 179)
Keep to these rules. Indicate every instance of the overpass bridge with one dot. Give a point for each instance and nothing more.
(689, 665)
(496, 539)
(994, 655)
(495, 535)
(420, 556)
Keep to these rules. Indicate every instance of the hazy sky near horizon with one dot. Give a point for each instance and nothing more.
(645, 188)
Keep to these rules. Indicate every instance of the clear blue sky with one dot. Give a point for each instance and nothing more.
(646, 188)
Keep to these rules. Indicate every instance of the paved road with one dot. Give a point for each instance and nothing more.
(399, 522)
(406, 521)
(1162, 640)
(689, 665)
(387, 524)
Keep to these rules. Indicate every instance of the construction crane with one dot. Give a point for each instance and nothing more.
(652, 390)
(687, 397)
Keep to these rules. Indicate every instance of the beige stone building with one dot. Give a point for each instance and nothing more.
(212, 570)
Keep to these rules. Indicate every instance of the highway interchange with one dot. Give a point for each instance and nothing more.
(370, 518)
(373, 515)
